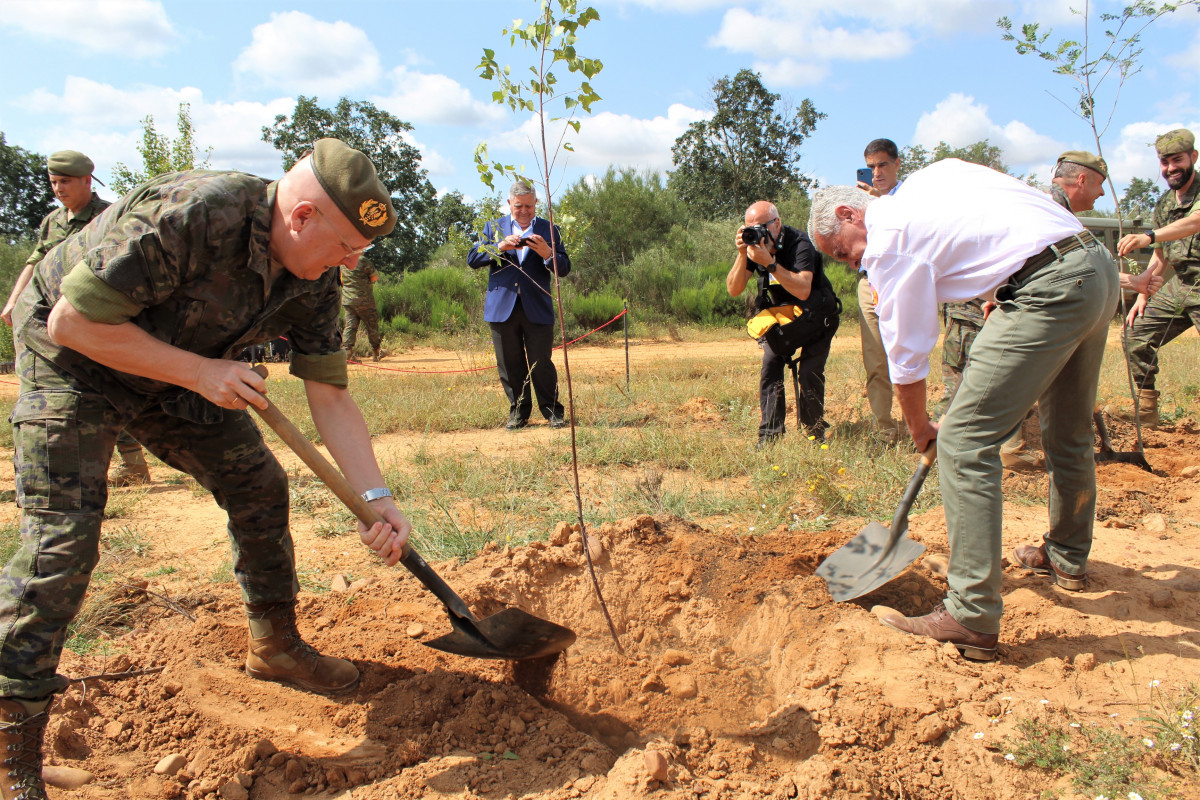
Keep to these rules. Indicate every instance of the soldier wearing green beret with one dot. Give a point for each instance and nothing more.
(71, 180)
(1158, 317)
(136, 323)
(358, 306)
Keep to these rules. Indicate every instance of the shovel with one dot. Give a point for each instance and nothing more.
(510, 634)
(877, 554)
(1106, 452)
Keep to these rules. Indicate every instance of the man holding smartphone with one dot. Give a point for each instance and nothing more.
(883, 167)
(520, 250)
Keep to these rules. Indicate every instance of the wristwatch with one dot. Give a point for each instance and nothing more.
(770, 268)
(1150, 233)
(376, 494)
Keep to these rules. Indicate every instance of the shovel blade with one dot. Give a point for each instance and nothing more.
(510, 635)
(851, 571)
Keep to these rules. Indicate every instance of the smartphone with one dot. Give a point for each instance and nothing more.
(866, 175)
(525, 242)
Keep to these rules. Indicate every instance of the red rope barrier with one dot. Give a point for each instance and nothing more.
(478, 369)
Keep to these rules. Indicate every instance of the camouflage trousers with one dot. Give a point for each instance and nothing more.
(63, 437)
(963, 323)
(368, 315)
(1172, 311)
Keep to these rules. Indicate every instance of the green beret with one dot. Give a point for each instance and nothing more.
(1085, 159)
(71, 163)
(1180, 140)
(350, 180)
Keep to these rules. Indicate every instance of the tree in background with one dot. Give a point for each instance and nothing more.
(25, 195)
(748, 151)
(624, 211)
(382, 137)
(915, 157)
(1141, 196)
(161, 154)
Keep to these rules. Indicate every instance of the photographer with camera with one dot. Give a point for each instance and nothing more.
(792, 284)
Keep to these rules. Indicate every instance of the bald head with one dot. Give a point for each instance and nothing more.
(309, 233)
(761, 213)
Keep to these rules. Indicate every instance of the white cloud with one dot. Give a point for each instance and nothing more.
(789, 72)
(106, 123)
(435, 99)
(303, 55)
(771, 37)
(960, 121)
(130, 28)
(612, 139)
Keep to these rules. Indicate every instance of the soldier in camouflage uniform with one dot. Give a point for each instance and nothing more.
(71, 179)
(135, 323)
(1174, 309)
(358, 304)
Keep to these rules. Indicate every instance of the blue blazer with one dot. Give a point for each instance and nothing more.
(531, 280)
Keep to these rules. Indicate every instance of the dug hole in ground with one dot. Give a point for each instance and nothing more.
(740, 677)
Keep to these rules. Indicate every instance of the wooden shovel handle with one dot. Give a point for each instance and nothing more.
(330, 475)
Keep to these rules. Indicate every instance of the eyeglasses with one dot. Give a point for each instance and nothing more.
(350, 251)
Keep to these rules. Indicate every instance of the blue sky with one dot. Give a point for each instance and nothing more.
(81, 74)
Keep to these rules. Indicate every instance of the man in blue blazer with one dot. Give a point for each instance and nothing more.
(520, 305)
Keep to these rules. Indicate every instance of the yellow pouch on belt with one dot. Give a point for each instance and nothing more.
(763, 321)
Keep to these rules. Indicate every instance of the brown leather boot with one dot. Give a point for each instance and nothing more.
(133, 470)
(277, 653)
(22, 724)
(1147, 409)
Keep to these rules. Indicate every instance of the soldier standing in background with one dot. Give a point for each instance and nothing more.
(71, 179)
(358, 303)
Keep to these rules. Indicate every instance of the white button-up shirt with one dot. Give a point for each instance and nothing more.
(954, 231)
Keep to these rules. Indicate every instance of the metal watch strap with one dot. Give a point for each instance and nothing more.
(376, 494)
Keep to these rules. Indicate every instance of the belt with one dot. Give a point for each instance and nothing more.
(1052, 253)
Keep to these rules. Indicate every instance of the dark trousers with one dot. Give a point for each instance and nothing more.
(771, 400)
(523, 357)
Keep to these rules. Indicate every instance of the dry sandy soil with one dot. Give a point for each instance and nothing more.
(737, 676)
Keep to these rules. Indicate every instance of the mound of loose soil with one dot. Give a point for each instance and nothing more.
(737, 676)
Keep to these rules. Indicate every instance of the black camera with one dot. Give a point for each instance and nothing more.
(756, 234)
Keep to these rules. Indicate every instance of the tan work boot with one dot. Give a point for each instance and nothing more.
(132, 472)
(1147, 409)
(22, 725)
(277, 653)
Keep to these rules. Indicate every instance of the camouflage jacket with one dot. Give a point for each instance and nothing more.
(356, 284)
(1059, 195)
(1182, 254)
(185, 257)
(60, 224)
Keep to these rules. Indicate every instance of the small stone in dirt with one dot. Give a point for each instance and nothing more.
(682, 686)
(415, 630)
(950, 651)
(656, 765)
(67, 778)
(593, 764)
(653, 684)
(361, 584)
(1154, 523)
(340, 583)
(1085, 662)
(1191, 471)
(171, 689)
(169, 765)
(1162, 598)
(673, 658)
(678, 589)
(265, 748)
(561, 535)
(233, 791)
(930, 729)
(115, 728)
(718, 657)
(779, 743)
(294, 770)
(595, 547)
(938, 564)
(517, 726)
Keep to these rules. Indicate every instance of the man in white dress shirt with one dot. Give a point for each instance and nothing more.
(952, 232)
